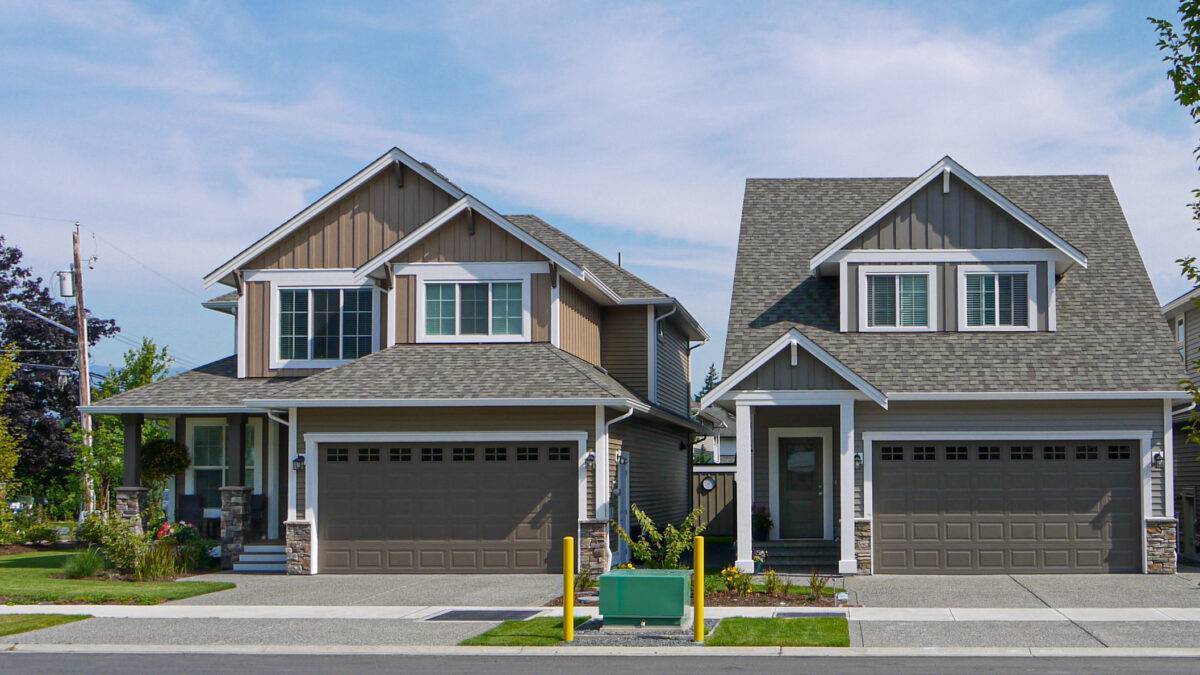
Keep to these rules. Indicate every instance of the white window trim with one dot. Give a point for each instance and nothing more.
(1031, 299)
(189, 480)
(930, 272)
(439, 273)
(297, 283)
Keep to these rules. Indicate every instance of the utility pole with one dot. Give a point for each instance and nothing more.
(85, 384)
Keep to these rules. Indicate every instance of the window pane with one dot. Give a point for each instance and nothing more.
(293, 324)
(208, 446)
(473, 315)
(1014, 299)
(326, 324)
(439, 309)
(506, 309)
(356, 323)
(981, 299)
(208, 486)
(881, 300)
(914, 300)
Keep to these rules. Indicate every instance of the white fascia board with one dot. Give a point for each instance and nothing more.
(949, 255)
(971, 180)
(467, 201)
(441, 402)
(1181, 301)
(101, 409)
(1035, 395)
(784, 341)
(351, 184)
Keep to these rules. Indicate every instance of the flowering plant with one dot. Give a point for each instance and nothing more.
(180, 531)
(759, 556)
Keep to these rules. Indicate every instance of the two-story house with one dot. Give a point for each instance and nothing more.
(951, 374)
(424, 385)
(1183, 320)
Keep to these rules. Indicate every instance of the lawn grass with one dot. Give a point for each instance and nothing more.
(715, 583)
(28, 578)
(831, 631)
(11, 624)
(544, 631)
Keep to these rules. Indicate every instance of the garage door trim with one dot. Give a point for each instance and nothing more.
(313, 439)
(1144, 437)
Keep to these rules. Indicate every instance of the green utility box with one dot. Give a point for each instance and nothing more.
(645, 597)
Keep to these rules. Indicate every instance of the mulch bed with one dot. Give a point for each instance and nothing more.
(14, 549)
(727, 599)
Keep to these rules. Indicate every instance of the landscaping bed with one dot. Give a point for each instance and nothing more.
(36, 578)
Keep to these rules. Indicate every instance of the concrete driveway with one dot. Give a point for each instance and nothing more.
(1027, 590)
(469, 590)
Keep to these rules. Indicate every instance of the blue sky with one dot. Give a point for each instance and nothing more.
(180, 132)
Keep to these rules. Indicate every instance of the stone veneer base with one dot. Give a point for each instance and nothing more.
(235, 519)
(131, 505)
(862, 545)
(298, 545)
(1160, 545)
(594, 556)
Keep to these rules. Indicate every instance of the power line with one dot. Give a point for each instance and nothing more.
(142, 264)
(26, 215)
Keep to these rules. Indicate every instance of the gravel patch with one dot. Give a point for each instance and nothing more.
(591, 635)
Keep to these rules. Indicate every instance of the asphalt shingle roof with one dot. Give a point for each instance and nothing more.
(214, 384)
(623, 282)
(459, 371)
(1110, 333)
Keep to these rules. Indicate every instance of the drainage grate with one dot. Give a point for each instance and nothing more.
(483, 615)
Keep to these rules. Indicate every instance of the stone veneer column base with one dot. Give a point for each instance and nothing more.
(235, 519)
(593, 546)
(1160, 545)
(131, 505)
(862, 545)
(298, 544)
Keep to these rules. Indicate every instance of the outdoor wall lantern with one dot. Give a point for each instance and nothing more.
(858, 460)
(297, 462)
(1157, 459)
(590, 460)
(622, 458)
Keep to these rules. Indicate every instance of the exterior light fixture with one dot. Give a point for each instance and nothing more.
(298, 463)
(622, 458)
(858, 460)
(590, 460)
(1157, 458)
(708, 484)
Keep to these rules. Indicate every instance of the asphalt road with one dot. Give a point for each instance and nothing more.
(222, 663)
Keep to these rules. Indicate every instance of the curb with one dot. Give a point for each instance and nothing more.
(338, 650)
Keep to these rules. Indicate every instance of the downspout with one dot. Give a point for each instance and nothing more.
(271, 415)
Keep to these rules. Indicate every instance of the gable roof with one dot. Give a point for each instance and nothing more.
(1110, 335)
(1181, 302)
(943, 168)
(213, 387)
(349, 185)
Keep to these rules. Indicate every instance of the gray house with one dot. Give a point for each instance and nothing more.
(950, 374)
(1183, 319)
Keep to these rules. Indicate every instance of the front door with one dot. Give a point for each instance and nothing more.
(801, 497)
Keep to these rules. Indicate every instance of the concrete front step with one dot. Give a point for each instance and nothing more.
(263, 558)
(261, 568)
(264, 548)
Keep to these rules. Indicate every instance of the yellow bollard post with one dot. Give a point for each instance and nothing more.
(568, 589)
(698, 589)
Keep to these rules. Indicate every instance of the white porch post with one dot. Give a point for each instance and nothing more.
(602, 476)
(745, 488)
(847, 564)
(293, 450)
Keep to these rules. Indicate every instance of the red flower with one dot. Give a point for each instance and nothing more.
(163, 531)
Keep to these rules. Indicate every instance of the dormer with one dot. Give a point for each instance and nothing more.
(948, 253)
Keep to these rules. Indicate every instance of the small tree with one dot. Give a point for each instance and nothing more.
(9, 440)
(711, 380)
(662, 550)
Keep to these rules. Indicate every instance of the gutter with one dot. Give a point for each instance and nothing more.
(273, 416)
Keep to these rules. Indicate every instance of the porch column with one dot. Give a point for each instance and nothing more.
(847, 563)
(181, 477)
(131, 496)
(235, 498)
(743, 477)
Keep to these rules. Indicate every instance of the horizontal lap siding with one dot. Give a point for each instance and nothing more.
(1023, 416)
(673, 377)
(623, 346)
(659, 480)
(1187, 461)
(579, 323)
(358, 226)
(526, 419)
(1191, 334)
(779, 374)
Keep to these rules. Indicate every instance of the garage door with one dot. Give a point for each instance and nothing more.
(995, 507)
(454, 508)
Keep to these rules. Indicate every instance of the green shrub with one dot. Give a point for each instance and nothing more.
(662, 550)
(772, 582)
(91, 529)
(816, 584)
(84, 564)
(159, 562)
(192, 550)
(123, 547)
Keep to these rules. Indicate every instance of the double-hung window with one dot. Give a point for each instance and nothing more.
(1000, 298)
(208, 463)
(325, 324)
(897, 298)
(485, 309)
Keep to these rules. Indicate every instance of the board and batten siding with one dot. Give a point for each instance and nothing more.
(946, 303)
(454, 242)
(719, 505)
(962, 218)
(623, 347)
(358, 226)
(672, 371)
(406, 308)
(539, 311)
(778, 373)
(659, 471)
(258, 335)
(1008, 416)
(566, 419)
(578, 323)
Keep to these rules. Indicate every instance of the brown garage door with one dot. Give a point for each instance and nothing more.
(996, 507)
(453, 508)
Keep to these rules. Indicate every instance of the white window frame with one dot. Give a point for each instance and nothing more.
(474, 273)
(930, 272)
(277, 361)
(257, 451)
(1031, 299)
(1181, 336)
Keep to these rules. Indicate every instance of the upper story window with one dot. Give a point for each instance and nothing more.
(325, 324)
(897, 298)
(996, 298)
(483, 309)
(1181, 336)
